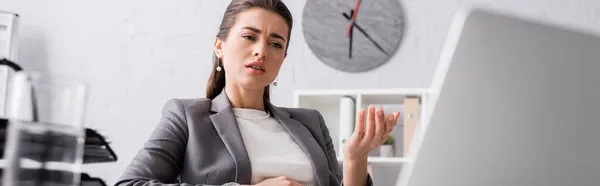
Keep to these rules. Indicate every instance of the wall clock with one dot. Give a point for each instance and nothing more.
(353, 35)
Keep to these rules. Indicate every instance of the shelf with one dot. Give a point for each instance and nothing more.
(336, 112)
(321, 100)
(96, 148)
(339, 115)
(387, 99)
(57, 176)
(329, 98)
(320, 92)
(376, 160)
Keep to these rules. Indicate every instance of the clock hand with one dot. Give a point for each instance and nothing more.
(353, 18)
(351, 34)
(365, 33)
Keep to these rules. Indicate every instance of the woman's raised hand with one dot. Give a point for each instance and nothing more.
(370, 136)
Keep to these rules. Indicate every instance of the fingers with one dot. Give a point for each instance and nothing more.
(390, 122)
(290, 183)
(393, 120)
(373, 131)
(359, 127)
(389, 125)
(380, 128)
(286, 181)
(370, 133)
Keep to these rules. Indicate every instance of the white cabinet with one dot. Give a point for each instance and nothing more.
(340, 119)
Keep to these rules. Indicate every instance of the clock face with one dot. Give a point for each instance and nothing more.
(353, 35)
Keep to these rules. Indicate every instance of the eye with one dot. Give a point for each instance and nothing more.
(276, 45)
(249, 37)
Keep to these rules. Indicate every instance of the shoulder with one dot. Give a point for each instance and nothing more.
(177, 113)
(182, 106)
(183, 111)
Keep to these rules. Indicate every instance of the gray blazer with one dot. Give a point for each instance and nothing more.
(198, 142)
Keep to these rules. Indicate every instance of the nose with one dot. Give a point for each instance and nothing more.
(260, 50)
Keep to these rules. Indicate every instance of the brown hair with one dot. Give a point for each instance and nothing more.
(216, 81)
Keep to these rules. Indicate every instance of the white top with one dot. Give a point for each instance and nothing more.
(271, 149)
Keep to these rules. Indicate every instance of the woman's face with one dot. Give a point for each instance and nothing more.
(254, 51)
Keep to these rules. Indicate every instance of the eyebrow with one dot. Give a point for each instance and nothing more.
(259, 31)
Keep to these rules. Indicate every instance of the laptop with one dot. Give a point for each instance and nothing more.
(516, 102)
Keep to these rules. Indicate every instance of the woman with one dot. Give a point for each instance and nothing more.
(235, 136)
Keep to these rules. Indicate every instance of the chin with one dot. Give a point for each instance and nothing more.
(252, 85)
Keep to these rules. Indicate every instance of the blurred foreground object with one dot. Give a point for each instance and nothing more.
(515, 102)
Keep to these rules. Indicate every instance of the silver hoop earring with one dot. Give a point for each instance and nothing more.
(275, 82)
(219, 68)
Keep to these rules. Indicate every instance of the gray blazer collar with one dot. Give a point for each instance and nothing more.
(227, 127)
(222, 103)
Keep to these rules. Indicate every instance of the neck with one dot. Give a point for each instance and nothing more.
(244, 98)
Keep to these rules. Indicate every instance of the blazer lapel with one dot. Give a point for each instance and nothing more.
(301, 135)
(227, 127)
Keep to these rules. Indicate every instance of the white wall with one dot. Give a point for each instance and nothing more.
(136, 54)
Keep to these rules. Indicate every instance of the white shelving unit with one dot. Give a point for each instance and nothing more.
(327, 102)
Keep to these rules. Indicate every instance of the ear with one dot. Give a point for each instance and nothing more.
(218, 47)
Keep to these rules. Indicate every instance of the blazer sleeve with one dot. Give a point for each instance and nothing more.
(331, 155)
(159, 161)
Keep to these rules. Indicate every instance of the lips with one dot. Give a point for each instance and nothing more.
(256, 65)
